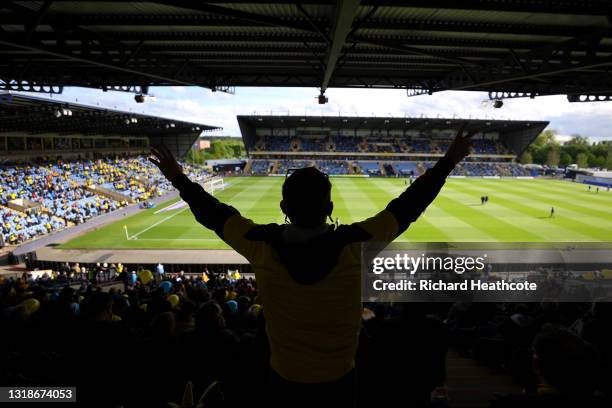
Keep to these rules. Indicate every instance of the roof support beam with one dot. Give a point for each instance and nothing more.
(545, 7)
(532, 66)
(412, 25)
(91, 61)
(345, 13)
(35, 21)
(238, 14)
(313, 23)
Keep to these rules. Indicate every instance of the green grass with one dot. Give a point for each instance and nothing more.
(517, 212)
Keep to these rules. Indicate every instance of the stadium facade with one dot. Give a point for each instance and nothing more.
(381, 146)
(32, 126)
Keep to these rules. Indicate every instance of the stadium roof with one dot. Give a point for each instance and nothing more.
(517, 134)
(31, 115)
(533, 47)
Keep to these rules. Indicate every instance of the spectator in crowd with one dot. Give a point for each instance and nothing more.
(313, 343)
(567, 371)
(60, 191)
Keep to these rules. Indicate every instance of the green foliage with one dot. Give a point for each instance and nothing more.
(526, 158)
(545, 149)
(578, 140)
(553, 157)
(227, 148)
(547, 137)
(582, 160)
(565, 159)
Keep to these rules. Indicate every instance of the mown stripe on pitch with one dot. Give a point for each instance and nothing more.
(584, 213)
(341, 209)
(579, 191)
(505, 214)
(563, 227)
(260, 201)
(602, 200)
(497, 227)
(455, 229)
(587, 213)
(228, 196)
(422, 227)
(578, 188)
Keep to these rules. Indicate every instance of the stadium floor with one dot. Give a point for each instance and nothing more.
(518, 211)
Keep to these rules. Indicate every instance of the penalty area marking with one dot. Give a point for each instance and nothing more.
(180, 239)
(135, 236)
(179, 204)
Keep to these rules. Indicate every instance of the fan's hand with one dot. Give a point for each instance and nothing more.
(163, 158)
(461, 146)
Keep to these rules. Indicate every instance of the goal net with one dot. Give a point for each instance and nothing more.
(213, 185)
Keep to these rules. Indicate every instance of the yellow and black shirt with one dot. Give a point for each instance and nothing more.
(311, 288)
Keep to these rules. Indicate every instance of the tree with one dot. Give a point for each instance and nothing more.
(539, 154)
(582, 160)
(526, 158)
(547, 137)
(609, 160)
(565, 159)
(578, 140)
(552, 157)
(598, 161)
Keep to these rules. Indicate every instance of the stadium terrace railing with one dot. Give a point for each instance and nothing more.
(366, 154)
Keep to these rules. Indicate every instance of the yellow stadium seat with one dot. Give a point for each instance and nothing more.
(588, 276)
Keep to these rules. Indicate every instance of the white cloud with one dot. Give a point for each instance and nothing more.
(220, 109)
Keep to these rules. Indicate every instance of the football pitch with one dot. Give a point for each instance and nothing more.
(517, 211)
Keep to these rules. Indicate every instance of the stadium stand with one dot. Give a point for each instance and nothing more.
(332, 167)
(90, 161)
(60, 188)
(260, 167)
(216, 317)
(382, 147)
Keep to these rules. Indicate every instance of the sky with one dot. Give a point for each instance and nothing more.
(200, 105)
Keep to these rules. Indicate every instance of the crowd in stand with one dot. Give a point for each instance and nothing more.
(332, 167)
(371, 144)
(479, 166)
(393, 168)
(286, 165)
(493, 169)
(138, 343)
(60, 190)
(260, 167)
(18, 227)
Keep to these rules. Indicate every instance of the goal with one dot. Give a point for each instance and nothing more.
(214, 184)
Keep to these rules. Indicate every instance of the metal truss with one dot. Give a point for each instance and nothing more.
(103, 51)
(498, 95)
(29, 86)
(137, 89)
(538, 72)
(589, 97)
(416, 91)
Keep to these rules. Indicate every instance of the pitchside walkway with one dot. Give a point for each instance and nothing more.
(142, 256)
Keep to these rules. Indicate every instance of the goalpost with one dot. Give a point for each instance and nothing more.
(211, 186)
(214, 184)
